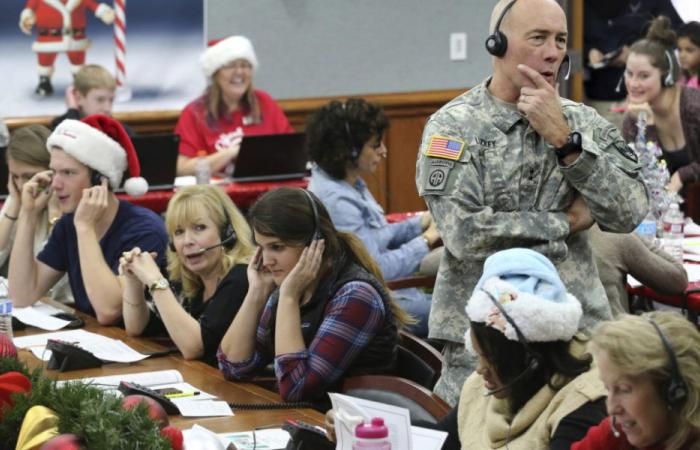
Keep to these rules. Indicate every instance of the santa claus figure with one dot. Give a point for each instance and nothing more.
(60, 28)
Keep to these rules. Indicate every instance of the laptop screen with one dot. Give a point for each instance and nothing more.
(271, 157)
(157, 155)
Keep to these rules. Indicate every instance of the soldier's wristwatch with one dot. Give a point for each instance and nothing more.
(573, 144)
(160, 284)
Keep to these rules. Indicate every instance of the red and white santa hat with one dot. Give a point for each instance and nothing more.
(101, 143)
(224, 51)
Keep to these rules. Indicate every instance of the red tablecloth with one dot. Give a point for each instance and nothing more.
(242, 194)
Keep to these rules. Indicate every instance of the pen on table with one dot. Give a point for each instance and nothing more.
(182, 394)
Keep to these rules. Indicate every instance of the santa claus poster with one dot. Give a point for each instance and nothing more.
(152, 47)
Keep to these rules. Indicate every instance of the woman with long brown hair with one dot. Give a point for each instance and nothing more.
(316, 304)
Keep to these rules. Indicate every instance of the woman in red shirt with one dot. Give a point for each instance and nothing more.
(650, 366)
(212, 125)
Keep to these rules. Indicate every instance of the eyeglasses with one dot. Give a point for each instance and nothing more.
(239, 65)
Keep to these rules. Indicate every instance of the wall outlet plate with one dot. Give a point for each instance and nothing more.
(458, 46)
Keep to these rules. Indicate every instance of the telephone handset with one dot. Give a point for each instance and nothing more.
(131, 388)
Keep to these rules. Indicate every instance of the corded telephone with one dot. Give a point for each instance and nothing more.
(131, 388)
(66, 356)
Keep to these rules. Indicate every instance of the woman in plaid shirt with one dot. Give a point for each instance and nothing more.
(316, 305)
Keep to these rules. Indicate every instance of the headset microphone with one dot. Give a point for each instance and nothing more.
(206, 249)
(531, 367)
(613, 422)
(618, 87)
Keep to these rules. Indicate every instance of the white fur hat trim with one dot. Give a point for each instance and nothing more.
(91, 147)
(226, 51)
(539, 319)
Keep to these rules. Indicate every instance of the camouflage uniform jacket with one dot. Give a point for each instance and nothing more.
(496, 184)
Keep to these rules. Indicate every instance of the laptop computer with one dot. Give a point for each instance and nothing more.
(271, 157)
(157, 155)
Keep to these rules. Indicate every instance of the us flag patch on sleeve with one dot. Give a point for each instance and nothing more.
(445, 148)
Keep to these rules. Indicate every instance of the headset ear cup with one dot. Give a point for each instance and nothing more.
(171, 246)
(676, 392)
(497, 44)
(231, 235)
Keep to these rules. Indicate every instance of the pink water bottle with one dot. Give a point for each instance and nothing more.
(372, 436)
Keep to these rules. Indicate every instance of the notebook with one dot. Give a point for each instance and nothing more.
(271, 157)
(158, 159)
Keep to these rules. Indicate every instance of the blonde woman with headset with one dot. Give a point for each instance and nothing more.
(650, 366)
(210, 245)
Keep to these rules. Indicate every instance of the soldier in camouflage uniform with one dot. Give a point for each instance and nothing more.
(488, 171)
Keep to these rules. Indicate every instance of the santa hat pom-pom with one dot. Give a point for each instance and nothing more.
(136, 186)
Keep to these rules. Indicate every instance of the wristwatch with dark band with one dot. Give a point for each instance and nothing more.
(573, 144)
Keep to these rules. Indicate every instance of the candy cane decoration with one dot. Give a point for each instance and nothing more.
(123, 91)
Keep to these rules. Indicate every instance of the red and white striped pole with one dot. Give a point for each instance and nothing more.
(123, 91)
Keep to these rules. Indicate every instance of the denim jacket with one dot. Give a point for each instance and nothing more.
(398, 248)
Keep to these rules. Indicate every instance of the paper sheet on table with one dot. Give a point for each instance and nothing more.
(396, 419)
(427, 439)
(204, 408)
(196, 436)
(691, 228)
(153, 378)
(40, 315)
(272, 439)
(691, 257)
(102, 347)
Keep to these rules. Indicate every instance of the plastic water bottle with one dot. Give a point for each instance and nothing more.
(372, 436)
(6, 316)
(647, 229)
(673, 222)
(202, 171)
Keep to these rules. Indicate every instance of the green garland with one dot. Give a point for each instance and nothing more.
(86, 411)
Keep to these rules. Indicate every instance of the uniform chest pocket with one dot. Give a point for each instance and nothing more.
(499, 175)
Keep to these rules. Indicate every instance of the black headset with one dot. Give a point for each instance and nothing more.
(666, 82)
(532, 358)
(317, 221)
(675, 390)
(497, 42)
(227, 234)
(354, 150)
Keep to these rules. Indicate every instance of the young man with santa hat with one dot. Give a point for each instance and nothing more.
(88, 159)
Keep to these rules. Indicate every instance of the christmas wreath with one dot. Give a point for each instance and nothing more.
(38, 413)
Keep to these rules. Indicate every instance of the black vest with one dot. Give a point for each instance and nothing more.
(379, 357)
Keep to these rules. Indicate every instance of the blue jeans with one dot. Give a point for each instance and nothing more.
(417, 304)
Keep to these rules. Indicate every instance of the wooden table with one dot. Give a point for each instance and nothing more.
(199, 374)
